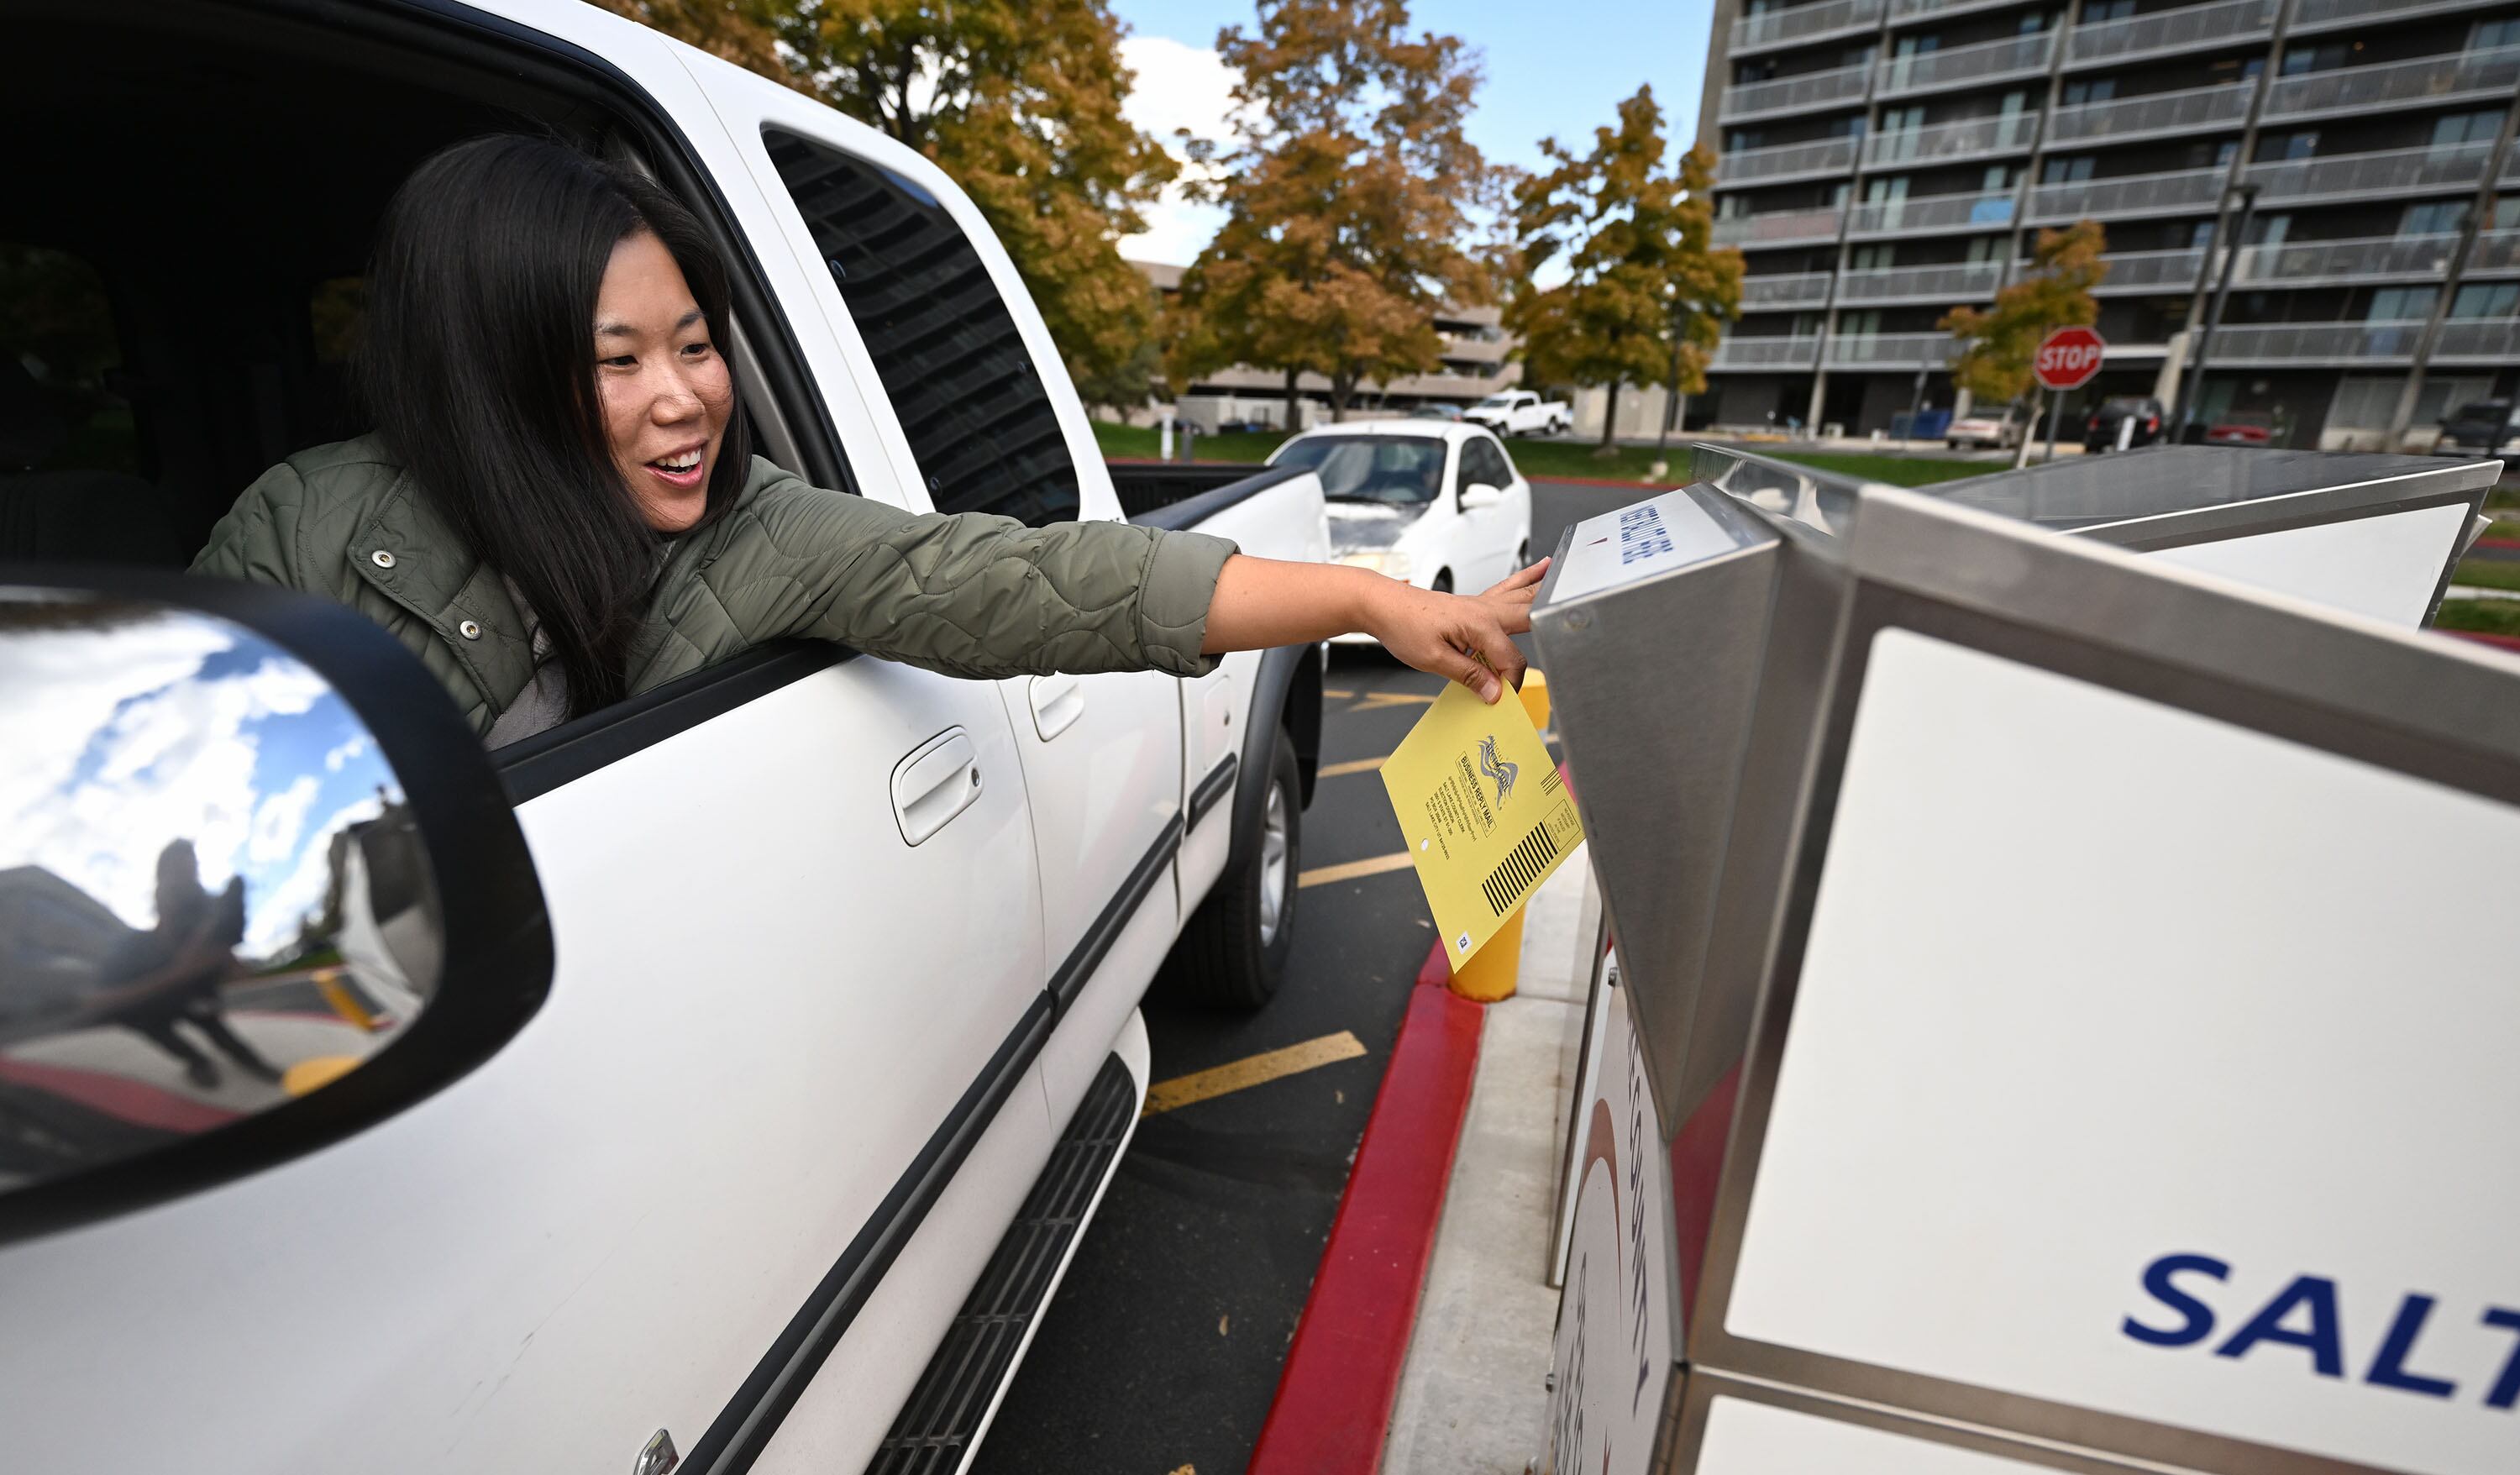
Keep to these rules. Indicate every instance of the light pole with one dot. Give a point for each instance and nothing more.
(2247, 190)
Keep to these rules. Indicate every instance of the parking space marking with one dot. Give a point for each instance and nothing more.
(1251, 1070)
(1360, 766)
(1323, 875)
(1377, 700)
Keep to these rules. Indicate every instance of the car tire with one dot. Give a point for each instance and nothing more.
(1233, 955)
(1951, 445)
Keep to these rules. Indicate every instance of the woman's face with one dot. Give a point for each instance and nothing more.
(665, 391)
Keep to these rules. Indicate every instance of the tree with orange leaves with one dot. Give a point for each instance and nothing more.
(1350, 202)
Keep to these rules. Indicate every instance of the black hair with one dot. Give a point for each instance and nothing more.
(476, 364)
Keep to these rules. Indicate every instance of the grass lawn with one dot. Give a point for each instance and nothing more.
(2486, 616)
(1145, 443)
(2486, 574)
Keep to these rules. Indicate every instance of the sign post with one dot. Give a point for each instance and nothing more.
(2066, 360)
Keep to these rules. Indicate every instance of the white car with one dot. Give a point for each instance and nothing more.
(718, 1081)
(2002, 431)
(1438, 504)
(1520, 412)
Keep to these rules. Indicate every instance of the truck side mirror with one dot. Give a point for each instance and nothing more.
(259, 889)
(1479, 494)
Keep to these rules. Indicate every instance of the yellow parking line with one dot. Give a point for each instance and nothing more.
(1360, 766)
(1336, 692)
(1373, 700)
(1251, 1070)
(1323, 875)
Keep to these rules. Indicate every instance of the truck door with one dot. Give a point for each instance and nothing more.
(992, 425)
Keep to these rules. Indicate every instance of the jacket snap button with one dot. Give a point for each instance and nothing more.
(470, 630)
(382, 559)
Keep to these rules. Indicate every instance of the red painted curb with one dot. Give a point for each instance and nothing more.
(2498, 543)
(1342, 1373)
(2501, 642)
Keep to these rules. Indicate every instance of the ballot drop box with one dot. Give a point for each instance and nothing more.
(2066, 1010)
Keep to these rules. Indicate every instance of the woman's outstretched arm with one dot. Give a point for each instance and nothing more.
(1261, 602)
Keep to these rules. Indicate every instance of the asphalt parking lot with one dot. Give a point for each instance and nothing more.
(1162, 1348)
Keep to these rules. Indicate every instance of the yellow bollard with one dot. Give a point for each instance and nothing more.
(1535, 697)
(1492, 970)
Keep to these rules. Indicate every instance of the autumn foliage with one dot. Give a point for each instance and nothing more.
(1996, 346)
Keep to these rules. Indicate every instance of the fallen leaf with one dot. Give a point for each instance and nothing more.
(1220, 1325)
(1341, 1096)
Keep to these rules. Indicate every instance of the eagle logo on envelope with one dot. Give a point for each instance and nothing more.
(1478, 850)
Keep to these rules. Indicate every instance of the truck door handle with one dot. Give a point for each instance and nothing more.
(938, 781)
(1057, 702)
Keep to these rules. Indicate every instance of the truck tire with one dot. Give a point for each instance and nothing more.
(1233, 951)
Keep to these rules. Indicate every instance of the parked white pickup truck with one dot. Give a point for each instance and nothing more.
(716, 1082)
(1520, 412)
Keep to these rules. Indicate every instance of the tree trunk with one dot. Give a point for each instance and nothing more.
(2030, 431)
(1294, 404)
(1610, 420)
(1343, 388)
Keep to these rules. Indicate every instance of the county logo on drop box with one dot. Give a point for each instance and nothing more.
(2192, 1306)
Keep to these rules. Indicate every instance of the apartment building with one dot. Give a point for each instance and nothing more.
(1475, 365)
(1885, 160)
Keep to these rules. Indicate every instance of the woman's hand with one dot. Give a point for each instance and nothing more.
(1464, 638)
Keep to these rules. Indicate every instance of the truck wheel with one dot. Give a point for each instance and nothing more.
(1235, 950)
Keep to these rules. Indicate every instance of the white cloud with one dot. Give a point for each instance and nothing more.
(356, 747)
(280, 820)
(276, 913)
(1179, 87)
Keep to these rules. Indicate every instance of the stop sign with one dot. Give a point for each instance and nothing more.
(2068, 358)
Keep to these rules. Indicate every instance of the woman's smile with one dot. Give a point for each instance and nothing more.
(666, 393)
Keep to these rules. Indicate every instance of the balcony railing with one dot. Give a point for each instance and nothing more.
(2395, 172)
(2147, 271)
(1932, 212)
(1813, 89)
(2315, 343)
(1830, 155)
(1775, 294)
(2170, 32)
(1908, 10)
(1766, 353)
(2173, 194)
(2309, 263)
(1972, 139)
(2196, 108)
(1777, 228)
(2496, 254)
(2312, 15)
(2445, 79)
(2488, 340)
(1967, 66)
(1958, 281)
(1890, 350)
(1804, 22)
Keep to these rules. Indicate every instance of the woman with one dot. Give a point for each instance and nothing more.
(559, 506)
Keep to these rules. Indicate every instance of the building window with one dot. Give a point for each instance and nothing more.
(2065, 170)
(2089, 90)
(2434, 217)
(2468, 128)
(2493, 33)
(2400, 305)
(2485, 299)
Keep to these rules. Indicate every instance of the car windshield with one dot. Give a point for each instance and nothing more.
(1398, 469)
(1496, 401)
(2125, 406)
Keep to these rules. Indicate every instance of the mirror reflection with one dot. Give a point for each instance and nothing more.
(213, 898)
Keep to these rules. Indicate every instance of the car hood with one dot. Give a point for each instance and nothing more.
(1369, 527)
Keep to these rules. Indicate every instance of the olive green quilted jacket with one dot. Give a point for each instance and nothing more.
(972, 595)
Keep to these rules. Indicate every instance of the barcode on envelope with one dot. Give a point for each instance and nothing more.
(1523, 867)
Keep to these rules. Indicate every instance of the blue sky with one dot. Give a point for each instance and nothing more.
(1553, 69)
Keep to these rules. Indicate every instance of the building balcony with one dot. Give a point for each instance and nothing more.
(2391, 173)
(1842, 86)
(2323, 263)
(1940, 214)
(1906, 12)
(1778, 228)
(2477, 340)
(2163, 113)
(1781, 294)
(2311, 17)
(2180, 191)
(1779, 354)
(1796, 25)
(1956, 282)
(2452, 77)
(1826, 156)
(2496, 254)
(1890, 350)
(1974, 139)
(2391, 342)
(1966, 66)
(2133, 272)
(2170, 32)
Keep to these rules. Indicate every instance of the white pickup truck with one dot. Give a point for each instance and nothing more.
(717, 1083)
(1520, 412)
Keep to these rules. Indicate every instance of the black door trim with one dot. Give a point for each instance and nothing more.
(1088, 953)
(744, 1429)
(1212, 789)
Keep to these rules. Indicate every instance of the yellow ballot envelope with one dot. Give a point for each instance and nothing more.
(1485, 812)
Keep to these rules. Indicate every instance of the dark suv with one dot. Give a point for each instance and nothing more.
(2484, 425)
(2100, 431)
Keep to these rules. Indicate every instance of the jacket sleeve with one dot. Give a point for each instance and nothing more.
(256, 539)
(970, 594)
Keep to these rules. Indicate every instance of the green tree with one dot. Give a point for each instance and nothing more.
(1645, 295)
(1019, 102)
(1997, 347)
(1350, 202)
